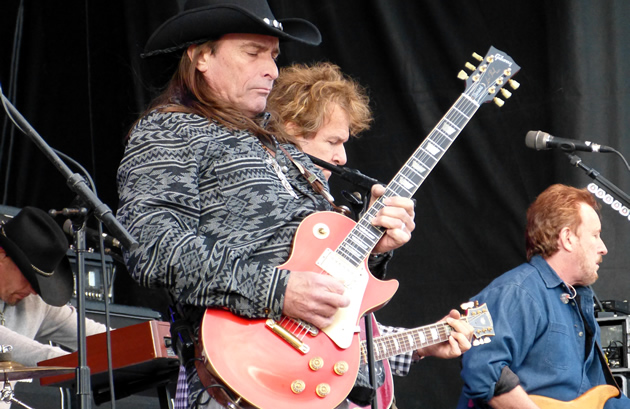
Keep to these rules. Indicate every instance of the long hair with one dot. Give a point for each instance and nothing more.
(304, 95)
(188, 92)
(554, 209)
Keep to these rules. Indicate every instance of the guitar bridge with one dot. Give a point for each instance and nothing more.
(287, 336)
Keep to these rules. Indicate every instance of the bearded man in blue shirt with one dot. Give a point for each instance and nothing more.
(545, 351)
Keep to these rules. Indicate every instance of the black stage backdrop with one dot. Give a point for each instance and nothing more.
(79, 81)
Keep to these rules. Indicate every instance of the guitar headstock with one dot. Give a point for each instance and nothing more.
(487, 79)
(479, 318)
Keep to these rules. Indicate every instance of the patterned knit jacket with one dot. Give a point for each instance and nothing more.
(210, 212)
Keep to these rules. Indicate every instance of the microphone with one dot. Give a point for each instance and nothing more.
(540, 140)
(351, 175)
(91, 234)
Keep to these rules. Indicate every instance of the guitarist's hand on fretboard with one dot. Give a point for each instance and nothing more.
(458, 340)
(396, 217)
(314, 298)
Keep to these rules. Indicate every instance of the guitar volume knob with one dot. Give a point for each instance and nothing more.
(298, 386)
(322, 390)
(341, 367)
(316, 363)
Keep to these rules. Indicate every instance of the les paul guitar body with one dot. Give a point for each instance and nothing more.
(301, 369)
(594, 398)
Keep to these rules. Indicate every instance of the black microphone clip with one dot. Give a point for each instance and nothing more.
(351, 175)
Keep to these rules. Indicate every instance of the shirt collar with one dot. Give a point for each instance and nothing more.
(549, 276)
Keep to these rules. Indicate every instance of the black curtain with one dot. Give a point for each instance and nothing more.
(79, 81)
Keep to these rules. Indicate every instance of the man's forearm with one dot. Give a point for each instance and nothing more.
(25, 350)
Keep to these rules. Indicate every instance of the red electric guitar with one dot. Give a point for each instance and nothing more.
(290, 364)
(402, 342)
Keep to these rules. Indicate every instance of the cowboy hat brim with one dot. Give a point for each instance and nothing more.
(211, 22)
(55, 289)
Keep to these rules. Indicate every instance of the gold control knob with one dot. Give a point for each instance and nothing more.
(298, 386)
(316, 363)
(322, 390)
(341, 367)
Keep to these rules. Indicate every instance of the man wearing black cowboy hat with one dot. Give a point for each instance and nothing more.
(36, 284)
(212, 197)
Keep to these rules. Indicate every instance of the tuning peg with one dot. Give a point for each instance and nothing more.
(499, 102)
(477, 57)
(514, 84)
(470, 66)
(506, 94)
(467, 305)
(462, 75)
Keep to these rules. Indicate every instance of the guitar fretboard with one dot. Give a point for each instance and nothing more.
(363, 237)
(390, 345)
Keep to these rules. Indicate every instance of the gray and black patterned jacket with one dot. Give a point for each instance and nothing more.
(210, 213)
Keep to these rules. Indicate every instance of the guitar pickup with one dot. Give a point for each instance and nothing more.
(341, 269)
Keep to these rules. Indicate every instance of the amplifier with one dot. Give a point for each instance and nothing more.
(94, 283)
(616, 306)
(614, 340)
(622, 382)
(120, 315)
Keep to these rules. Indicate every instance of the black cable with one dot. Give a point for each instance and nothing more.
(100, 225)
(89, 89)
(622, 158)
(13, 73)
(216, 385)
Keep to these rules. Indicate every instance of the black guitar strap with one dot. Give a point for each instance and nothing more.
(610, 379)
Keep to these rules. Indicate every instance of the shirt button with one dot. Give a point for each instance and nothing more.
(266, 311)
(580, 333)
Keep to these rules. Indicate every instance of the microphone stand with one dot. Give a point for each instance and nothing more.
(577, 161)
(77, 184)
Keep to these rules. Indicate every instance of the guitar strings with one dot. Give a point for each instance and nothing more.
(422, 337)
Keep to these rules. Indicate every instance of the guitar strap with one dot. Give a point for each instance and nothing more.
(315, 183)
(610, 379)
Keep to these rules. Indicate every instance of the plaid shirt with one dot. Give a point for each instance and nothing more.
(400, 364)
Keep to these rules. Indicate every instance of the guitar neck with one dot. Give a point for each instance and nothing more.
(391, 345)
(363, 237)
(409, 340)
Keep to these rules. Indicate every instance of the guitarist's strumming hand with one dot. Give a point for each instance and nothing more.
(397, 217)
(314, 297)
(458, 340)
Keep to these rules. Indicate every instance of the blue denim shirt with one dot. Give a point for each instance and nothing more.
(539, 337)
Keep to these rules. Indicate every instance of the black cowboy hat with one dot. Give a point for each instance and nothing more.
(38, 246)
(204, 20)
